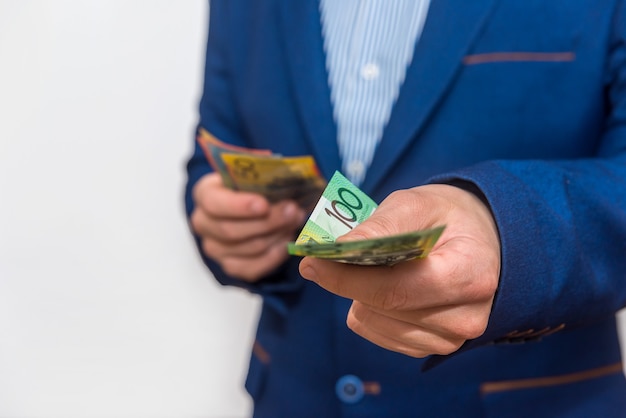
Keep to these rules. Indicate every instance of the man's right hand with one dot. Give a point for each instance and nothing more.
(243, 232)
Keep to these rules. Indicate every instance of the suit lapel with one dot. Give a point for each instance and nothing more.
(449, 31)
(302, 32)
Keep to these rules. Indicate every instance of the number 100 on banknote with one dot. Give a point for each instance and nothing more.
(342, 207)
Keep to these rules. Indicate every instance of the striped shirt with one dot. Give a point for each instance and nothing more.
(368, 44)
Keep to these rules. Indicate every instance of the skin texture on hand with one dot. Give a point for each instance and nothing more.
(426, 306)
(245, 234)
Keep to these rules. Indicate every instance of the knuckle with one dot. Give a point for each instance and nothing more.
(225, 231)
(391, 298)
(353, 324)
(209, 248)
(376, 226)
(230, 235)
(448, 347)
(195, 220)
(253, 267)
(476, 284)
(358, 319)
(357, 314)
(256, 246)
(236, 269)
(413, 352)
(471, 327)
(473, 330)
(479, 290)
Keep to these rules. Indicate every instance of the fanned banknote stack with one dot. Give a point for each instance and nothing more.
(342, 207)
(261, 171)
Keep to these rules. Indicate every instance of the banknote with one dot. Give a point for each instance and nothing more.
(214, 148)
(344, 206)
(388, 250)
(264, 172)
(276, 177)
(341, 207)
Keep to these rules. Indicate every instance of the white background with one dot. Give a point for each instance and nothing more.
(105, 308)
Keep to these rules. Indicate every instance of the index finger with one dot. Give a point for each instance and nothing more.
(414, 284)
(211, 196)
(388, 288)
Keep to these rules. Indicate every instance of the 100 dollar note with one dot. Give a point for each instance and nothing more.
(344, 206)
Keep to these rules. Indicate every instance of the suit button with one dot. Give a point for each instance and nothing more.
(356, 169)
(370, 71)
(349, 389)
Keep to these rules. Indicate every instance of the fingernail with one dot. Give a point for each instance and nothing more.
(289, 211)
(257, 206)
(308, 273)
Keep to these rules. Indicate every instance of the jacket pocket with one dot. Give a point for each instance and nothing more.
(518, 56)
(598, 392)
(257, 371)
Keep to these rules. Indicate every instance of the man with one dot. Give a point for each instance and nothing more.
(503, 120)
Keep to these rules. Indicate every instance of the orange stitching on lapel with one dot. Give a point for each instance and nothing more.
(518, 334)
(529, 334)
(261, 353)
(518, 57)
(553, 330)
(506, 385)
(541, 332)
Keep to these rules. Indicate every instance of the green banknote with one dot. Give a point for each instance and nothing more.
(342, 207)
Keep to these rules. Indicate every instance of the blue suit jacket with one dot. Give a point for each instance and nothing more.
(526, 100)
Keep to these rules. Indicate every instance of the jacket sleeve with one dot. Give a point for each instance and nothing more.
(218, 115)
(562, 224)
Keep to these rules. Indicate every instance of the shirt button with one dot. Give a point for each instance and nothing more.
(370, 71)
(349, 389)
(355, 168)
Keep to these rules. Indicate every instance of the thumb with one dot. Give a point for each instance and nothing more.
(376, 226)
(401, 212)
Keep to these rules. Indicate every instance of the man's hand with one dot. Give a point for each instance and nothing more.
(242, 231)
(427, 306)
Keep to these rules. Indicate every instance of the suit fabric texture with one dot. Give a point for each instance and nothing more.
(524, 101)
